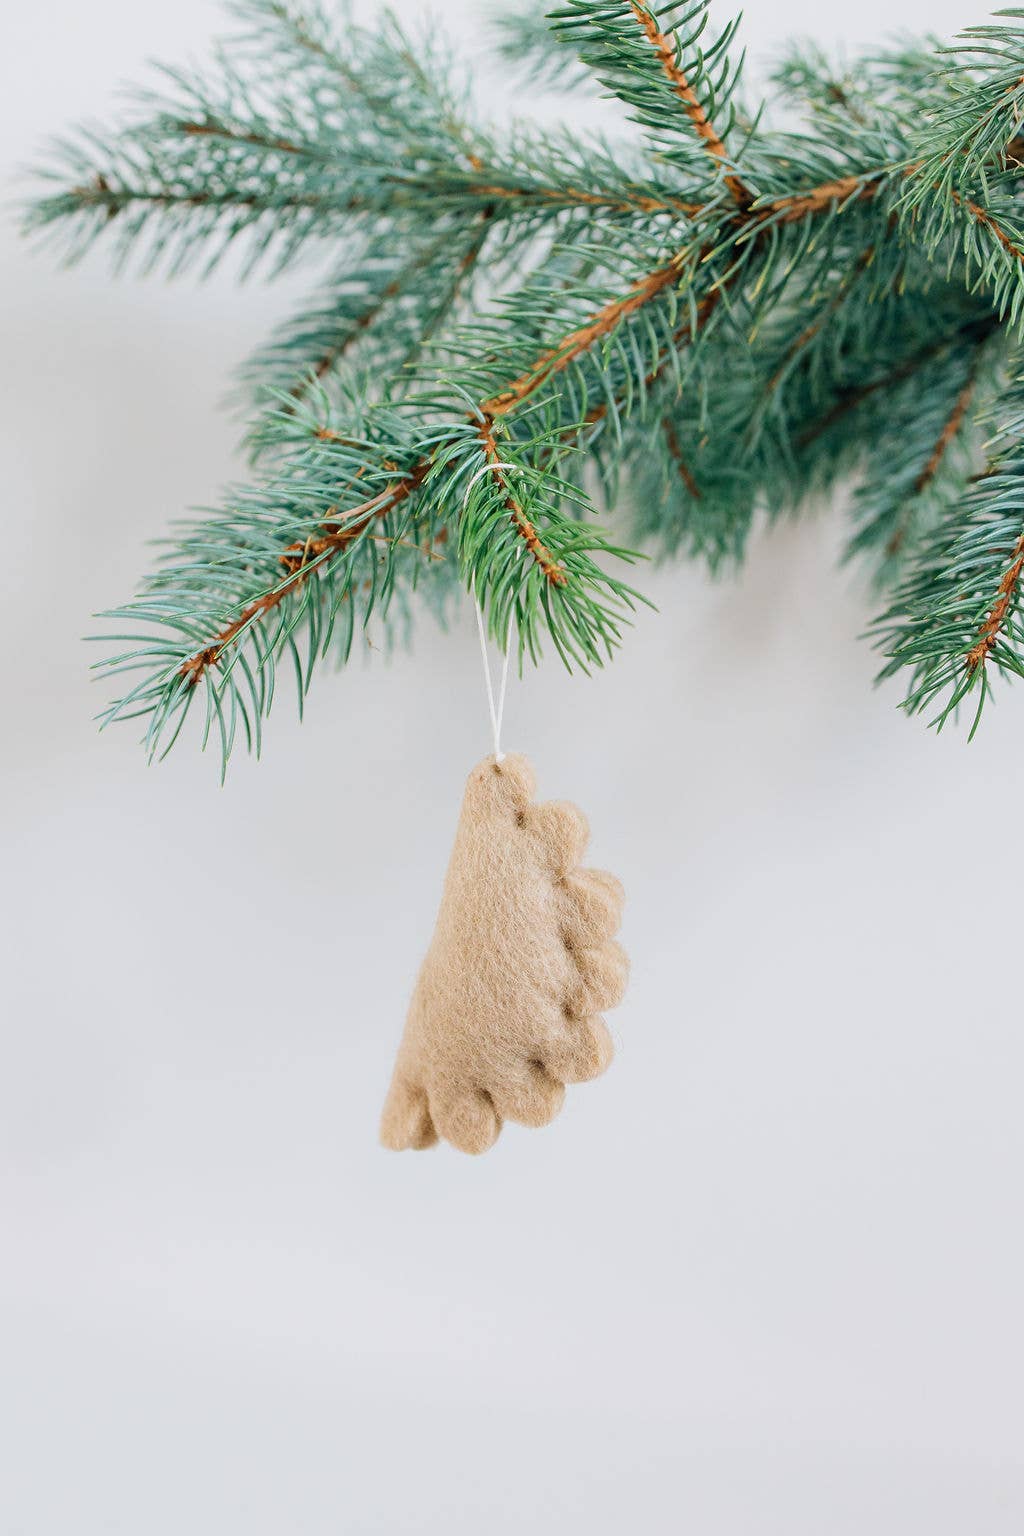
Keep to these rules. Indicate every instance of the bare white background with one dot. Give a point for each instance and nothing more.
(765, 1277)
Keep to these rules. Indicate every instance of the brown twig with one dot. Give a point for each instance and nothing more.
(992, 627)
(685, 333)
(788, 209)
(817, 199)
(950, 428)
(984, 217)
(576, 197)
(676, 453)
(558, 358)
(316, 554)
(567, 197)
(664, 46)
(309, 550)
(946, 436)
(99, 192)
(214, 130)
(553, 572)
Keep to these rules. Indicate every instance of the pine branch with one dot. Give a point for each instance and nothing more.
(553, 573)
(922, 460)
(1007, 598)
(556, 359)
(339, 532)
(338, 536)
(316, 553)
(667, 48)
(980, 110)
(676, 71)
(676, 454)
(725, 315)
(957, 616)
(950, 427)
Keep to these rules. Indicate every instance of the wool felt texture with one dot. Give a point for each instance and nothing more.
(506, 1007)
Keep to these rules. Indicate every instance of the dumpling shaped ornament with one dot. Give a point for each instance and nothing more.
(507, 1005)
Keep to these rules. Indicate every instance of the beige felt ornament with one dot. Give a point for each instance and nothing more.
(506, 1008)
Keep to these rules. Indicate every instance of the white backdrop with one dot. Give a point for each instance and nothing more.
(764, 1277)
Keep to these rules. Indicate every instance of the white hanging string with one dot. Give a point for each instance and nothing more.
(495, 707)
(497, 710)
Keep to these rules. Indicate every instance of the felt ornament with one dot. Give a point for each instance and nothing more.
(507, 1006)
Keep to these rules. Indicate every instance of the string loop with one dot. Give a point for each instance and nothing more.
(496, 708)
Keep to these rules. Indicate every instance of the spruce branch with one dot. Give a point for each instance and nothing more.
(974, 126)
(956, 617)
(336, 536)
(552, 572)
(925, 453)
(676, 454)
(1007, 598)
(950, 427)
(676, 72)
(719, 314)
(668, 48)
